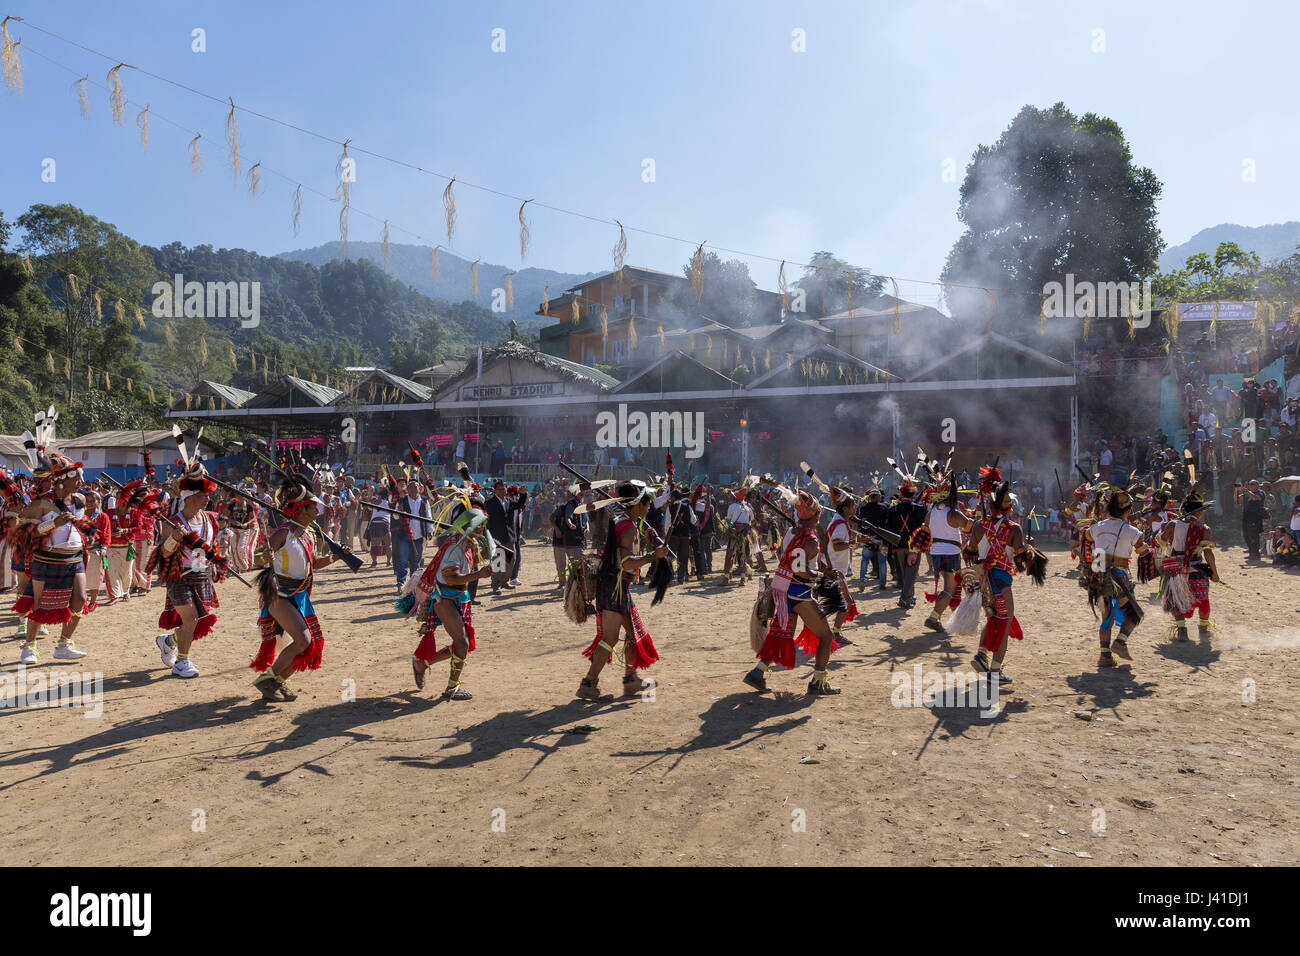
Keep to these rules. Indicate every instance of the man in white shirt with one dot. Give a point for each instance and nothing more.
(740, 518)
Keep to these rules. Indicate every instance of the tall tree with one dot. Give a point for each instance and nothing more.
(832, 285)
(728, 295)
(1056, 194)
(75, 255)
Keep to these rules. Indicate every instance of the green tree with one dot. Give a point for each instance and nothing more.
(1056, 194)
(729, 295)
(830, 284)
(75, 254)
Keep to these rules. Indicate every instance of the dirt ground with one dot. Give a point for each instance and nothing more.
(1189, 758)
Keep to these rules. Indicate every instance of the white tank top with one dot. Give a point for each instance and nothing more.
(66, 538)
(1115, 536)
(1180, 534)
(937, 521)
(291, 560)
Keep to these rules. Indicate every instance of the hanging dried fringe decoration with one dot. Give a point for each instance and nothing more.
(1132, 328)
(74, 289)
(90, 381)
(660, 332)
(27, 264)
(697, 272)
(196, 159)
(116, 98)
(254, 179)
(212, 405)
(574, 311)
(1087, 321)
(264, 376)
(99, 306)
(524, 233)
(232, 140)
(108, 385)
(631, 334)
(1172, 321)
(295, 208)
(546, 300)
(993, 307)
(49, 361)
(789, 362)
(83, 96)
(142, 124)
(203, 348)
(12, 66)
(767, 361)
(18, 345)
(152, 400)
(449, 208)
(510, 289)
(384, 247)
(1214, 316)
(708, 346)
(344, 192)
(620, 254)
(139, 318)
(725, 344)
(168, 336)
(129, 387)
(1042, 317)
(473, 278)
(604, 323)
(252, 360)
(231, 352)
(783, 288)
(119, 310)
(898, 317)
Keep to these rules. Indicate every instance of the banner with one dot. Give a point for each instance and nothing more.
(1228, 311)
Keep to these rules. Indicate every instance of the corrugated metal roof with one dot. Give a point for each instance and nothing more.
(124, 438)
(233, 396)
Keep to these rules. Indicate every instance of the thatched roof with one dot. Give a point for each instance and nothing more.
(517, 351)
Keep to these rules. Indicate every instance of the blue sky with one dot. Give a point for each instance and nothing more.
(756, 147)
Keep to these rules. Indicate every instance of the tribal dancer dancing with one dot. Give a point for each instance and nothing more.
(837, 544)
(185, 563)
(621, 562)
(441, 592)
(1000, 544)
(740, 534)
(1110, 544)
(284, 587)
(55, 593)
(941, 536)
(792, 593)
(1189, 570)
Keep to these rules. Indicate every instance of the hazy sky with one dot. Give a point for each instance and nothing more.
(756, 146)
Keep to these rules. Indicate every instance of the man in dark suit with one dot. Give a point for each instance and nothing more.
(498, 508)
(905, 516)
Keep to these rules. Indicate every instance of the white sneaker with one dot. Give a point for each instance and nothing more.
(43, 631)
(28, 656)
(168, 648)
(66, 652)
(185, 668)
(513, 584)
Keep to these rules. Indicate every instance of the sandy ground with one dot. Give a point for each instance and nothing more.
(1189, 758)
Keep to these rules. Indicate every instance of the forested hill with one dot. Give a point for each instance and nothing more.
(413, 265)
(346, 312)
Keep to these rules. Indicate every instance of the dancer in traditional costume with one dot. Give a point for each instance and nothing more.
(837, 543)
(941, 537)
(793, 597)
(186, 562)
(55, 592)
(284, 587)
(441, 592)
(740, 536)
(1189, 569)
(621, 561)
(1110, 544)
(1001, 548)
